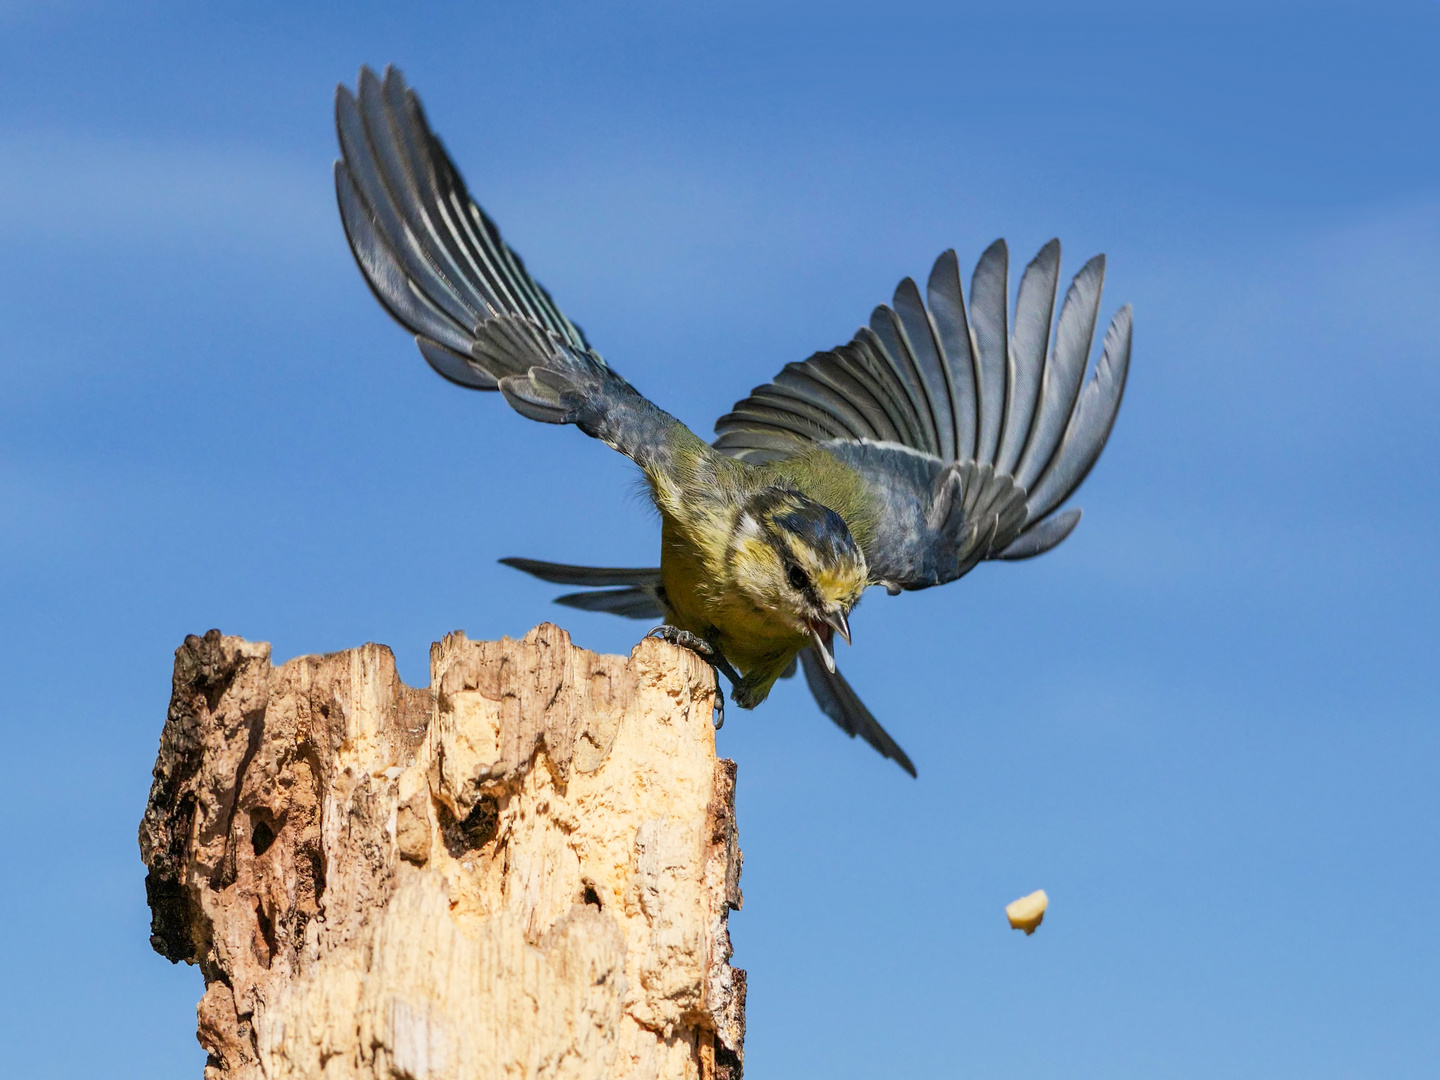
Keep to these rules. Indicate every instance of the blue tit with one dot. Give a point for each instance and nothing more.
(941, 435)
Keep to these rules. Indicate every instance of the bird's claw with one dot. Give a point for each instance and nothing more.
(686, 640)
(703, 649)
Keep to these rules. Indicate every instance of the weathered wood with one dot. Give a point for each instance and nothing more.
(524, 870)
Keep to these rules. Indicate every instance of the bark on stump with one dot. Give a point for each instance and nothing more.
(524, 870)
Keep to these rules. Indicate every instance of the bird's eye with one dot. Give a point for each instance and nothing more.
(798, 580)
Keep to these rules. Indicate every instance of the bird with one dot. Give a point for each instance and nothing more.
(943, 434)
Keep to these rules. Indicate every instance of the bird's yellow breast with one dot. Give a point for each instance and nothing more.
(704, 598)
(705, 562)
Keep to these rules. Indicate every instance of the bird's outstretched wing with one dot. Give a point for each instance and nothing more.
(971, 432)
(636, 593)
(438, 264)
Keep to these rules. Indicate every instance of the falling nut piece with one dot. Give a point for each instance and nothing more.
(1026, 913)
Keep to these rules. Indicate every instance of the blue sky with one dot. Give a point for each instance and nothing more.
(1207, 724)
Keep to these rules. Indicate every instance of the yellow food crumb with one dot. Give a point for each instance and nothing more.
(1027, 912)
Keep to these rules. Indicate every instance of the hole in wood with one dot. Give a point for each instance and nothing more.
(262, 836)
(478, 829)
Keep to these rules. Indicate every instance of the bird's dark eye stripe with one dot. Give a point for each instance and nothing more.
(798, 578)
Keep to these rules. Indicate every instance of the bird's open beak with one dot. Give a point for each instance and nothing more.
(822, 633)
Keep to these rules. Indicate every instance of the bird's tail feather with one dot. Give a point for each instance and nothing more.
(640, 596)
(569, 574)
(633, 603)
(841, 704)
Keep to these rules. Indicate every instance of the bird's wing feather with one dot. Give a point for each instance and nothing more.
(970, 430)
(425, 222)
(988, 286)
(438, 264)
(1029, 341)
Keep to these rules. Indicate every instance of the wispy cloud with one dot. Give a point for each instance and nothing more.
(90, 188)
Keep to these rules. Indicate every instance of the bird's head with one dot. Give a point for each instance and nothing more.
(796, 560)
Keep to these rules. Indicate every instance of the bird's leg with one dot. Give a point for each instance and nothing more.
(707, 652)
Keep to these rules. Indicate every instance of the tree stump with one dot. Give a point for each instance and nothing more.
(524, 870)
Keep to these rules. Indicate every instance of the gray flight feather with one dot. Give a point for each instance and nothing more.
(444, 224)
(886, 336)
(968, 435)
(929, 361)
(1090, 423)
(857, 361)
(785, 420)
(987, 321)
(390, 230)
(1029, 340)
(439, 266)
(1042, 537)
(866, 412)
(804, 382)
(1060, 383)
(388, 280)
(460, 370)
(947, 306)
